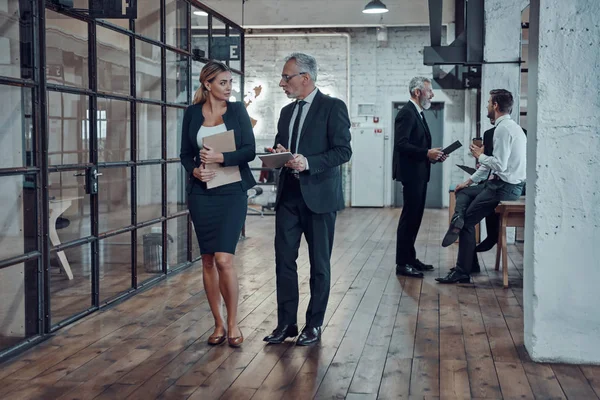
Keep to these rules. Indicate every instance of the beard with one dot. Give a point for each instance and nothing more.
(491, 115)
(425, 103)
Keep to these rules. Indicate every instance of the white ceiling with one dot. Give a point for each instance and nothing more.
(326, 13)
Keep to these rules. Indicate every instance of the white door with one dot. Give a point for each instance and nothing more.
(367, 167)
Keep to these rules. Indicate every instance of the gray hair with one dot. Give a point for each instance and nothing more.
(305, 63)
(418, 82)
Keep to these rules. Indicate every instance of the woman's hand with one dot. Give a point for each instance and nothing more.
(209, 156)
(203, 174)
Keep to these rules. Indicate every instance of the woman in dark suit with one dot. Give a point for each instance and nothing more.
(218, 214)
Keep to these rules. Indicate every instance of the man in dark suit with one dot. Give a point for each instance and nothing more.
(316, 129)
(412, 160)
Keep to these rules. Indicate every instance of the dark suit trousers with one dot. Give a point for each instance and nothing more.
(292, 219)
(473, 204)
(414, 194)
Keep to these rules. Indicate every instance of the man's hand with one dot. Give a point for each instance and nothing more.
(209, 156)
(298, 163)
(279, 149)
(434, 154)
(203, 174)
(443, 158)
(476, 151)
(463, 185)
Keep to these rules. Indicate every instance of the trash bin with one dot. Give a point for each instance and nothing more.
(153, 250)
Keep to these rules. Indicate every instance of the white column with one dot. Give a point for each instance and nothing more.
(562, 236)
(501, 53)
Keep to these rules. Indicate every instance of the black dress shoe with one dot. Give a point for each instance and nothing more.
(408, 270)
(281, 333)
(456, 225)
(309, 336)
(420, 266)
(455, 276)
(486, 245)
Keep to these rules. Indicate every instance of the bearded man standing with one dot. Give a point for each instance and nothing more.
(412, 160)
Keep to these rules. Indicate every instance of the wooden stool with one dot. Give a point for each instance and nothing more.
(511, 214)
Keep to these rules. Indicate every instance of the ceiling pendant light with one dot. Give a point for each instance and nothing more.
(375, 7)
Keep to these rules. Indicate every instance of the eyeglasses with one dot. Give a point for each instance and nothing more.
(287, 78)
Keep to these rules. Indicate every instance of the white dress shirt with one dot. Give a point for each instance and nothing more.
(308, 99)
(418, 106)
(508, 160)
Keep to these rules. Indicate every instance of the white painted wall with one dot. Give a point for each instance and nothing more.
(378, 75)
(562, 237)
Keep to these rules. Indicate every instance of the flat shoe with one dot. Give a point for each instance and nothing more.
(216, 340)
(236, 341)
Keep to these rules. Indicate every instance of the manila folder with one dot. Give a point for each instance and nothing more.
(222, 143)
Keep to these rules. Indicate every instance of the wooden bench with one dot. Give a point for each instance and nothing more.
(511, 214)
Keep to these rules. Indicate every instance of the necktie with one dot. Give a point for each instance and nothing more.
(424, 121)
(301, 104)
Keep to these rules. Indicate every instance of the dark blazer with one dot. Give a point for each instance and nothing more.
(412, 140)
(325, 142)
(235, 118)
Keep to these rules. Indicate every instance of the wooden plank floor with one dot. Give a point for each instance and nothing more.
(385, 337)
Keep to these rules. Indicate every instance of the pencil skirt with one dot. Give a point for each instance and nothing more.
(218, 220)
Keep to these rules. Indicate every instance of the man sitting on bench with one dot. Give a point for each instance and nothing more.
(506, 169)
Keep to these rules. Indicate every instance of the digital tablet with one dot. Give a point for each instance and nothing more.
(452, 147)
(276, 160)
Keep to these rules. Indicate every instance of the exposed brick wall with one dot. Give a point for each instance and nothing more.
(378, 75)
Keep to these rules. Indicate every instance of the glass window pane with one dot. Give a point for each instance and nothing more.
(68, 126)
(199, 33)
(115, 265)
(177, 249)
(176, 181)
(66, 50)
(176, 17)
(149, 252)
(235, 49)
(177, 78)
(114, 198)
(16, 122)
(148, 19)
(196, 68)
(18, 303)
(149, 192)
(17, 215)
(174, 123)
(70, 296)
(114, 127)
(69, 206)
(223, 47)
(16, 57)
(113, 61)
(147, 64)
(149, 129)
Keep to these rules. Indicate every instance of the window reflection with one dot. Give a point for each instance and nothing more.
(115, 265)
(66, 50)
(16, 122)
(16, 56)
(149, 126)
(114, 125)
(114, 198)
(176, 20)
(113, 61)
(149, 192)
(68, 128)
(148, 71)
(177, 78)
